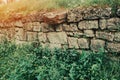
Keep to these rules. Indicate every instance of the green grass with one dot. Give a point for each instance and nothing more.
(25, 7)
(32, 62)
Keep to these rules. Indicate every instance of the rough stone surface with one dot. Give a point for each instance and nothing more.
(71, 27)
(18, 24)
(57, 38)
(59, 28)
(105, 35)
(33, 26)
(103, 24)
(117, 36)
(47, 28)
(70, 34)
(32, 36)
(118, 12)
(88, 33)
(79, 14)
(51, 45)
(20, 34)
(42, 37)
(113, 24)
(83, 43)
(78, 34)
(113, 47)
(73, 42)
(97, 44)
(88, 25)
(55, 17)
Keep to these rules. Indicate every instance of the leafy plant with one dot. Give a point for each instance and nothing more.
(32, 62)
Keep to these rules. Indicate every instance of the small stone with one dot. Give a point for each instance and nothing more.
(117, 36)
(36, 26)
(118, 12)
(103, 24)
(113, 47)
(51, 45)
(105, 35)
(20, 34)
(96, 45)
(42, 37)
(59, 27)
(57, 37)
(31, 36)
(73, 42)
(113, 24)
(88, 33)
(70, 34)
(71, 27)
(88, 25)
(18, 24)
(46, 27)
(83, 43)
(78, 34)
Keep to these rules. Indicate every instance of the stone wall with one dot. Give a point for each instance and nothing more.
(83, 29)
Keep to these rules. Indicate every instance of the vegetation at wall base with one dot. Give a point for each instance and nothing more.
(32, 62)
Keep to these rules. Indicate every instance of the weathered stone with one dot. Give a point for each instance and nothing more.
(2, 37)
(54, 17)
(83, 43)
(33, 26)
(118, 12)
(70, 34)
(88, 25)
(97, 44)
(113, 24)
(103, 24)
(42, 37)
(117, 36)
(20, 34)
(105, 35)
(113, 47)
(57, 38)
(77, 34)
(47, 28)
(51, 45)
(59, 27)
(88, 33)
(73, 42)
(36, 26)
(18, 24)
(71, 27)
(32, 36)
(91, 13)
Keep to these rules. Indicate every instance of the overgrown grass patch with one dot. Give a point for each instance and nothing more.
(32, 62)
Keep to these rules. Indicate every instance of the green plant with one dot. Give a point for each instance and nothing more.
(32, 62)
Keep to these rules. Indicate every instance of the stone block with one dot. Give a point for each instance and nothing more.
(83, 43)
(113, 24)
(71, 27)
(113, 47)
(59, 27)
(117, 37)
(18, 24)
(32, 36)
(20, 34)
(33, 26)
(88, 33)
(73, 42)
(105, 35)
(70, 34)
(103, 24)
(51, 45)
(96, 44)
(88, 25)
(57, 37)
(78, 34)
(42, 37)
(46, 27)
